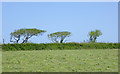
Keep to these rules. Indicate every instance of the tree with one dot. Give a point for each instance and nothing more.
(58, 37)
(26, 34)
(16, 35)
(31, 32)
(93, 35)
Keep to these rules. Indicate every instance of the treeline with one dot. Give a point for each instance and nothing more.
(59, 46)
(57, 37)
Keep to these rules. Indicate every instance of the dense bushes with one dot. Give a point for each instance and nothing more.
(59, 46)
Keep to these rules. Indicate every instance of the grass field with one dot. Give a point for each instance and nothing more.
(60, 61)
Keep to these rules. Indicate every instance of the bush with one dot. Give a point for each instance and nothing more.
(59, 46)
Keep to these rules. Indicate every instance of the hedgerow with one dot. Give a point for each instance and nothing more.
(59, 46)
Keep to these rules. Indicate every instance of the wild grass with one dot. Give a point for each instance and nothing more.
(60, 61)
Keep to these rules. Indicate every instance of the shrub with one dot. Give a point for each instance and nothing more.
(59, 46)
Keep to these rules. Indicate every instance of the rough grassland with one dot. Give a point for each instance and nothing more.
(60, 61)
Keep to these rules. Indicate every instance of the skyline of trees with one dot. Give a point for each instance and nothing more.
(56, 37)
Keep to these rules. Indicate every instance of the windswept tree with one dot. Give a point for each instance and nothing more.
(26, 34)
(59, 37)
(16, 35)
(31, 32)
(93, 35)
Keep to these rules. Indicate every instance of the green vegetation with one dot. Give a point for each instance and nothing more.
(58, 37)
(94, 34)
(58, 56)
(60, 61)
(25, 33)
(59, 46)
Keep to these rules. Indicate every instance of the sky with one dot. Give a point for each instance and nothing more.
(59, 0)
(79, 18)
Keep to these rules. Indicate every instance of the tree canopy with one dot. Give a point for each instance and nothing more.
(25, 33)
(94, 34)
(59, 37)
(16, 35)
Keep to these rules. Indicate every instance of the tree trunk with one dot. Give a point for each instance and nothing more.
(61, 41)
(25, 41)
(95, 39)
(18, 40)
(90, 39)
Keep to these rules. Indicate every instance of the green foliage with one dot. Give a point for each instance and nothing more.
(59, 46)
(94, 34)
(26, 33)
(34, 32)
(55, 37)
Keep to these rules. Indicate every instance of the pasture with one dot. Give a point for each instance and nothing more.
(100, 60)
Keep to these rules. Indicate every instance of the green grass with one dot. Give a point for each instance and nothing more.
(60, 61)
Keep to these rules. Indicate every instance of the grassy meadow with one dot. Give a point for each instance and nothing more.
(101, 60)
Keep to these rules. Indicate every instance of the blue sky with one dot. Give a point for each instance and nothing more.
(79, 18)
